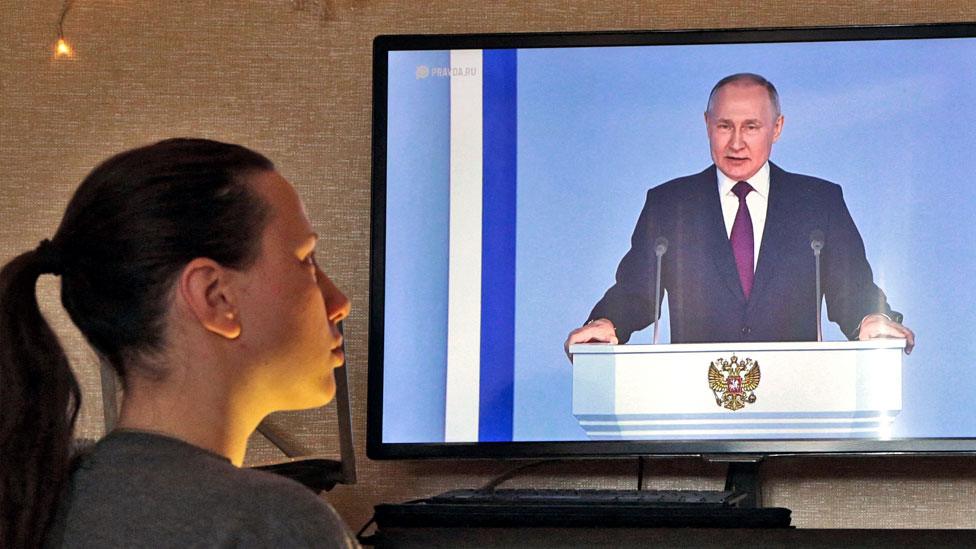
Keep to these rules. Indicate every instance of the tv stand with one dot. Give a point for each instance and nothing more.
(743, 478)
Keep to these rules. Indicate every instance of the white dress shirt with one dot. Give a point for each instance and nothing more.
(757, 202)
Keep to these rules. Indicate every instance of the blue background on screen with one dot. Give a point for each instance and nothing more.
(894, 123)
(415, 351)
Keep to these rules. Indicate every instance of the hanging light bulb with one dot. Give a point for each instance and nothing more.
(61, 48)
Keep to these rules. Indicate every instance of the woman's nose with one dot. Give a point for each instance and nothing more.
(336, 303)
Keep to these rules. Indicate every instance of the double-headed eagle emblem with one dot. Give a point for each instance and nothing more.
(732, 390)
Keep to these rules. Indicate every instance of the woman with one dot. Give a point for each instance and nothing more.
(189, 266)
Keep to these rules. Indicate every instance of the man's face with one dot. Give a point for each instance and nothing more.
(742, 127)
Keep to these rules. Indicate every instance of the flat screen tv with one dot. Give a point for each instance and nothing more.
(510, 180)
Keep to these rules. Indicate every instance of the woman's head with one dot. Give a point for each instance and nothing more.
(274, 324)
(137, 220)
(131, 248)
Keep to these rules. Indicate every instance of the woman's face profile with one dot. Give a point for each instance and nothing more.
(289, 308)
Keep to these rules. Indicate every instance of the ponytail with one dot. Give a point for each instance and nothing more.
(39, 401)
(135, 221)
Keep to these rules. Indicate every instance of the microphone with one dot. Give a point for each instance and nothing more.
(817, 244)
(660, 247)
(817, 241)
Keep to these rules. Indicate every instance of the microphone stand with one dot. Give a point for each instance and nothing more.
(660, 246)
(817, 243)
(816, 254)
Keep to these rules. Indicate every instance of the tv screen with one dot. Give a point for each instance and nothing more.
(522, 182)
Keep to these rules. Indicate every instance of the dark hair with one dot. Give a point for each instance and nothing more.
(129, 229)
(751, 78)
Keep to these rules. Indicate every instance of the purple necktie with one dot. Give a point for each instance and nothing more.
(742, 239)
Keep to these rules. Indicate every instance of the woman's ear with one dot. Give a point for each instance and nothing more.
(205, 287)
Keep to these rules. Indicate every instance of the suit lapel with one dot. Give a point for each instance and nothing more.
(716, 240)
(775, 231)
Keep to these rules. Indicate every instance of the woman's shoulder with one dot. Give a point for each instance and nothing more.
(293, 510)
(195, 496)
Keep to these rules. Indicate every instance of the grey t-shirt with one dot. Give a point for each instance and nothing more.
(137, 489)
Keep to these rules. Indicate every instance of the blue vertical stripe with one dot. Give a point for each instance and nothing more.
(498, 245)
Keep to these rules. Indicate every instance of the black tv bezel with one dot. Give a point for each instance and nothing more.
(377, 449)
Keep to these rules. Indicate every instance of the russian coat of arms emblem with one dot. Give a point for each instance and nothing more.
(732, 389)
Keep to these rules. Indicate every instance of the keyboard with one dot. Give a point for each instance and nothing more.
(579, 508)
(588, 497)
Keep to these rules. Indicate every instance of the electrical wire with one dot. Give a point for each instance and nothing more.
(65, 8)
(492, 484)
(366, 540)
(371, 539)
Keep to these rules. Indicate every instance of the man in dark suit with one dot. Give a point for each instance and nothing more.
(739, 265)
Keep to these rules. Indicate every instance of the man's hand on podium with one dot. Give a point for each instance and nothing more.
(600, 330)
(877, 326)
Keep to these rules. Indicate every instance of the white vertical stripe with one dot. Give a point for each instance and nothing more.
(464, 274)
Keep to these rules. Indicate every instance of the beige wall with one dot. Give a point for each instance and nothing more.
(292, 79)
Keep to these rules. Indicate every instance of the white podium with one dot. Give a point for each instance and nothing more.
(842, 389)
